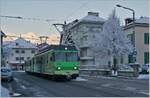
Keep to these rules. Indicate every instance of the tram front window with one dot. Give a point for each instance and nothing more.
(67, 57)
(60, 57)
(72, 56)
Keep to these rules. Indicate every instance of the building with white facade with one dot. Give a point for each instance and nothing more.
(16, 52)
(140, 39)
(88, 27)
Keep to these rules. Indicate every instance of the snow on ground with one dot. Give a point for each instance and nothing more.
(4, 92)
(143, 76)
(16, 95)
(80, 79)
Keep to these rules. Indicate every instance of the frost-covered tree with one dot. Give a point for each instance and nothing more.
(112, 41)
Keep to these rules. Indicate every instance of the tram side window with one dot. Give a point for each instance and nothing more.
(52, 57)
(60, 57)
(33, 61)
(72, 56)
(47, 58)
(39, 60)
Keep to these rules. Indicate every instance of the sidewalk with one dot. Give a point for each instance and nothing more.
(109, 77)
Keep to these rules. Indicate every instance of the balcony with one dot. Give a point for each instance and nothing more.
(84, 44)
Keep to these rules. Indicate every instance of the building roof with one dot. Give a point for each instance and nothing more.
(142, 20)
(57, 48)
(20, 43)
(92, 17)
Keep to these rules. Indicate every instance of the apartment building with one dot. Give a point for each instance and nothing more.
(140, 39)
(17, 52)
(88, 26)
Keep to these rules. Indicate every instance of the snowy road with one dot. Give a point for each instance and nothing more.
(30, 86)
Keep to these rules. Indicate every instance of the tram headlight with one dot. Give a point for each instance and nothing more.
(75, 67)
(58, 68)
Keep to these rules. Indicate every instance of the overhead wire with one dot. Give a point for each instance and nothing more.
(47, 20)
(75, 11)
(34, 19)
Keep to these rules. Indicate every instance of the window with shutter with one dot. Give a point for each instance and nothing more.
(146, 57)
(146, 38)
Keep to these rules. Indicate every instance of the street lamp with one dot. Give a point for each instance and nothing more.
(133, 12)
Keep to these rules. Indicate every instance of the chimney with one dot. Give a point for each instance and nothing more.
(93, 14)
(128, 20)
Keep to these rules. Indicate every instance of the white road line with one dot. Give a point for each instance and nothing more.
(106, 85)
(130, 88)
(146, 92)
(22, 86)
(16, 95)
(80, 79)
(17, 80)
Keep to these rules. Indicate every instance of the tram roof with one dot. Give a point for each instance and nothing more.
(57, 47)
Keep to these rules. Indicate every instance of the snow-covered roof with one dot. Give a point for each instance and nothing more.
(92, 17)
(20, 43)
(6, 43)
(142, 20)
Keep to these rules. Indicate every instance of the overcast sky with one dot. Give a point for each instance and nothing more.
(61, 10)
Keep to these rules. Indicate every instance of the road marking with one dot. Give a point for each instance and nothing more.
(80, 79)
(17, 80)
(22, 86)
(16, 94)
(146, 92)
(130, 88)
(106, 85)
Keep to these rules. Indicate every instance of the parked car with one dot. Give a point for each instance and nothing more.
(145, 69)
(6, 74)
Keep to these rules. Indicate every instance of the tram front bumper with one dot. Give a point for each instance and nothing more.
(69, 73)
